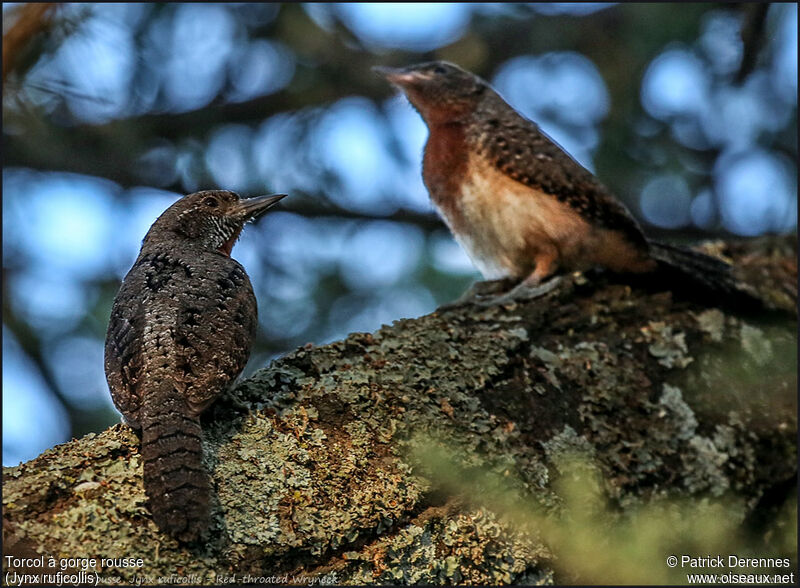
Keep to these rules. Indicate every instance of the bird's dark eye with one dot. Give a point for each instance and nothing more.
(440, 69)
(211, 202)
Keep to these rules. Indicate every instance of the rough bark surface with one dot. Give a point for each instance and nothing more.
(309, 456)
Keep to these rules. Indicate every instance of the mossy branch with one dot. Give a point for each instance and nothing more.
(434, 449)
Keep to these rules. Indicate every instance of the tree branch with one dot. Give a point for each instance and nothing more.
(317, 474)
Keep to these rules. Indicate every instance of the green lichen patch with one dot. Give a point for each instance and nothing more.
(285, 485)
(471, 547)
(668, 347)
(712, 322)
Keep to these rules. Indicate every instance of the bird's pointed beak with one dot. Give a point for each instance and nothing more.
(252, 208)
(399, 76)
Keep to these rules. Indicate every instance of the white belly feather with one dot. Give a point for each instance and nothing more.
(502, 224)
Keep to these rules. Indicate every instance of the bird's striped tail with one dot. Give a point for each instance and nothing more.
(175, 481)
(703, 276)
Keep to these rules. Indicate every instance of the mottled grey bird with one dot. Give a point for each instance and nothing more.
(519, 205)
(180, 333)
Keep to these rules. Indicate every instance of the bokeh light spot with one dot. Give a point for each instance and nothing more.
(32, 419)
(756, 193)
(665, 201)
(675, 83)
(380, 253)
(416, 26)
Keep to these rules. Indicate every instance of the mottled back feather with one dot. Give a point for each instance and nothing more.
(521, 150)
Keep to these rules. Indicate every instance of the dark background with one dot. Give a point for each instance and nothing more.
(689, 112)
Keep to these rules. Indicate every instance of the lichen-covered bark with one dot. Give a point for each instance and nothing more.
(310, 456)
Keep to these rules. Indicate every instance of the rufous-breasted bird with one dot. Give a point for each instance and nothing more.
(180, 333)
(519, 205)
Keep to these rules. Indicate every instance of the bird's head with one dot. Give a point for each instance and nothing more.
(211, 219)
(442, 92)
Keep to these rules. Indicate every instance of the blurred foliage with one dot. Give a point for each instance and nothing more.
(111, 110)
(595, 540)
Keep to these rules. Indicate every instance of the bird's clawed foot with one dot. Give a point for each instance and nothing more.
(497, 292)
(520, 293)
